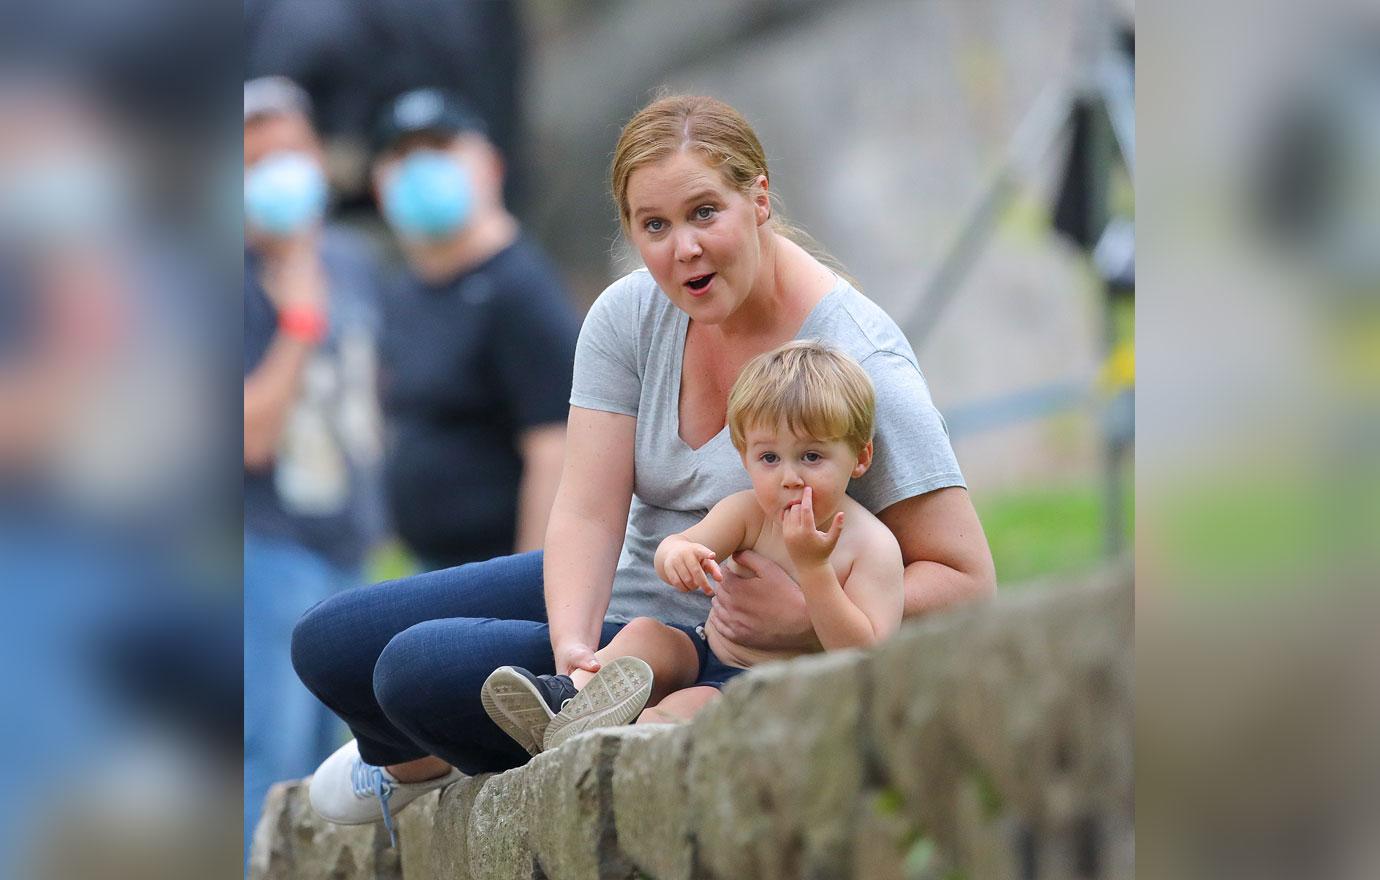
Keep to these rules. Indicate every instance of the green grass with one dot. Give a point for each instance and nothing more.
(1047, 531)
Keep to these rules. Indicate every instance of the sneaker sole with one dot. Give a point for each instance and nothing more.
(613, 697)
(516, 707)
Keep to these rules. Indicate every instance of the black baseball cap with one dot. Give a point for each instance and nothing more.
(428, 110)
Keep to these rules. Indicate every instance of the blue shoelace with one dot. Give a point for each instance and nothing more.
(367, 781)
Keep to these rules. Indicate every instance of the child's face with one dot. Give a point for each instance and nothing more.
(782, 463)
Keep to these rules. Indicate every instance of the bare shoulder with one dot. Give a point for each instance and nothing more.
(739, 503)
(867, 539)
(743, 507)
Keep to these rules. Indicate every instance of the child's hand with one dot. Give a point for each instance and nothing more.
(807, 545)
(689, 566)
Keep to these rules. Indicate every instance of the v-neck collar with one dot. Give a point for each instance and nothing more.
(683, 330)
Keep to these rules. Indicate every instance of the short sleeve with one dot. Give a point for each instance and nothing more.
(606, 356)
(911, 450)
(534, 347)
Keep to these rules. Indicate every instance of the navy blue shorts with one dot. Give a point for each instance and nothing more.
(714, 672)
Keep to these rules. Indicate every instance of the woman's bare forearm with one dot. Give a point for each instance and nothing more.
(933, 586)
(580, 558)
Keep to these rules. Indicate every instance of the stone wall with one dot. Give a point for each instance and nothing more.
(993, 742)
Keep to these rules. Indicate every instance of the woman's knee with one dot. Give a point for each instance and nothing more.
(401, 673)
(423, 672)
(316, 655)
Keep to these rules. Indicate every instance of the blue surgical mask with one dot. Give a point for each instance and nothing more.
(284, 193)
(68, 195)
(430, 196)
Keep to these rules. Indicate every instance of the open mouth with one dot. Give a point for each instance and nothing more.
(698, 284)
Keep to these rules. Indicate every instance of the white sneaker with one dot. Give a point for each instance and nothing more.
(347, 791)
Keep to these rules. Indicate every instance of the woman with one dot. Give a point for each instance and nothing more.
(647, 454)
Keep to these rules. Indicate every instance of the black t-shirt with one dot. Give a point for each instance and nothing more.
(466, 366)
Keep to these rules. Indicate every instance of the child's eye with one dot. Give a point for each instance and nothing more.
(769, 457)
(812, 457)
(705, 212)
(653, 225)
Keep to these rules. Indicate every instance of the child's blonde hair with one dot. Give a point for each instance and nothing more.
(818, 391)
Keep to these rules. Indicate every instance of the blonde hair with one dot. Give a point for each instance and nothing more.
(674, 123)
(816, 390)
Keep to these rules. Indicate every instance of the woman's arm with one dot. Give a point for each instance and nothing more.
(585, 532)
(945, 551)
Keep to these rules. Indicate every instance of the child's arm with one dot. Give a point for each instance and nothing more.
(686, 560)
(868, 608)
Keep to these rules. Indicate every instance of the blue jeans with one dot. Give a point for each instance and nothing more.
(402, 662)
(287, 732)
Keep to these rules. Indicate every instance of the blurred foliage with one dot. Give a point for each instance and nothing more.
(1046, 531)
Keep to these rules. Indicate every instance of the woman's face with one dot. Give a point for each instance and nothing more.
(697, 234)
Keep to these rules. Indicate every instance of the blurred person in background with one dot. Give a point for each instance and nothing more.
(311, 445)
(121, 611)
(64, 300)
(403, 662)
(477, 347)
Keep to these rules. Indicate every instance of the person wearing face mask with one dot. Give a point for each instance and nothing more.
(478, 343)
(312, 505)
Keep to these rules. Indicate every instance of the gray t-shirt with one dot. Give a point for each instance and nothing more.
(628, 361)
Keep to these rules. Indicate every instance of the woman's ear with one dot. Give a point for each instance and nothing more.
(864, 460)
(761, 199)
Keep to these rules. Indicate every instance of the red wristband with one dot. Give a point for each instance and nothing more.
(303, 323)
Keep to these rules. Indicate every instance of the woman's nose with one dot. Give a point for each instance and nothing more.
(688, 246)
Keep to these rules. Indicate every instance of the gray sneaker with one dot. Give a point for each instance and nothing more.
(614, 696)
(522, 704)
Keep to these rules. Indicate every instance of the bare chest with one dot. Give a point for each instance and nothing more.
(771, 545)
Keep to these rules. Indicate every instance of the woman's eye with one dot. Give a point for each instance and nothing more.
(704, 212)
(653, 225)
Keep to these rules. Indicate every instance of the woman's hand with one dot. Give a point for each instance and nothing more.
(765, 611)
(575, 655)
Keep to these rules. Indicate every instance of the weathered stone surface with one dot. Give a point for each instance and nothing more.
(992, 742)
(651, 807)
(570, 808)
(775, 767)
(496, 839)
(449, 847)
(1006, 728)
(415, 839)
(293, 843)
